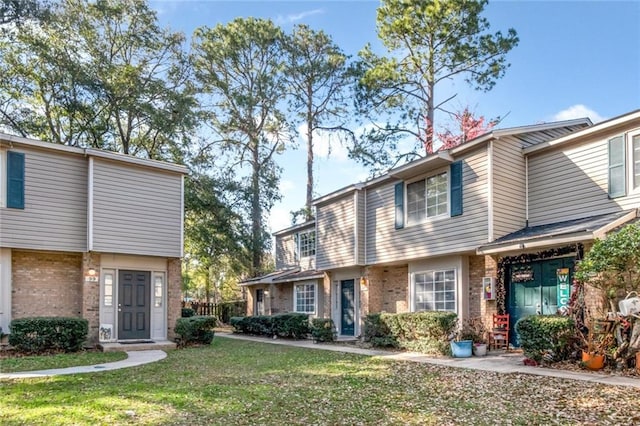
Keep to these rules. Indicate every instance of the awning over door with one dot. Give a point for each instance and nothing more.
(559, 233)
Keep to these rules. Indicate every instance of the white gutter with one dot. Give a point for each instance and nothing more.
(532, 244)
(90, 206)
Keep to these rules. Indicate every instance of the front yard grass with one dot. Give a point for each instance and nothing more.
(31, 363)
(236, 382)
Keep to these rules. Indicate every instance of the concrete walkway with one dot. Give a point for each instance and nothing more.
(500, 362)
(134, 358)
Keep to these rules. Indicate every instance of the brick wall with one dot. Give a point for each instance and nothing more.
(326, 300)
(91, 294)
(388, 289)
(479, 267)
(46, 284)
(281, 298)
(174, 294)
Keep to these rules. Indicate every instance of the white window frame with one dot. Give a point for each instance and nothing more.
(433, 272)
(113, 285)
(633, 159)
(297, 285)
(425, 216)
(299, 248)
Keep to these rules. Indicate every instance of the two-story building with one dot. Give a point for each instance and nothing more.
(92, 234)
(480, 228)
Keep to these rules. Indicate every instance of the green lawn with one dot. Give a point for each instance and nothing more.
(31, 363)
(246, 383)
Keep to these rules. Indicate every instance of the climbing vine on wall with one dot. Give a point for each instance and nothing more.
(504, 262)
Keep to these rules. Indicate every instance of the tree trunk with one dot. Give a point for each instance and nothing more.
(256, 213)
(308, 215)
(428, 142)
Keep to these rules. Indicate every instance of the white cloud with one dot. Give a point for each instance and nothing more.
(294, 17)
(286, 186)
(279, 218)
(578, 111)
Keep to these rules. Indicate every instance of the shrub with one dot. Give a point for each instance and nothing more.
(426, 332)
(195, 330)
(188, 312)
(548, 337)
(293, 324)
(41, 334)
(239, 324)
(323, 330)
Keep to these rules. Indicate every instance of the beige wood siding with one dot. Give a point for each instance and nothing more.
(571, 183)
(434, 237)
(286, 249)
(136, 210)
(55, 211)
(509, 212)
(335, 239)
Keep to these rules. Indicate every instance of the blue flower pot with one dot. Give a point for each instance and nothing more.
(462, 349)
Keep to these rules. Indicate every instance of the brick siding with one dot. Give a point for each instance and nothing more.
(46, 284)
(479, 267)
(388, 289)
(91, 295)
(174, 294)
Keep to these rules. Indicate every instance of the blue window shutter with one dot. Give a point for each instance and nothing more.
(15, 180)
(617, 169)
(399, 203)
(456, 188)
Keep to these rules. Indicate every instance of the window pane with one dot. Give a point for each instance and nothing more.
(636, 161)
(158, 290)
(305, 298)
(108, 289)
(437, 195)
(416, 202)
(435, 290)
(307, 243)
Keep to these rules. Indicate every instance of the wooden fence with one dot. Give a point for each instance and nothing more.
(223, 310)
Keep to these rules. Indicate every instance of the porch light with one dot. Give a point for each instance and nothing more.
(363, 281)
(91, 272)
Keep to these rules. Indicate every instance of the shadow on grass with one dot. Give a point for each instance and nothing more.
(236, 382)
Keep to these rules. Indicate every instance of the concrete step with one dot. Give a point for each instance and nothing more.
(136, 346)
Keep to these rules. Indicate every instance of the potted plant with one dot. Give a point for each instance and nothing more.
(479, 336)
(594, 350)
(462, 340)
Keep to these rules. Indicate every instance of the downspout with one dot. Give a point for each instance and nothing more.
(526, 191)
(490, 191)
(90, 205)
(355, 226)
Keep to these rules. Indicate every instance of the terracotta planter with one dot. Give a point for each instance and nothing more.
(593, 361)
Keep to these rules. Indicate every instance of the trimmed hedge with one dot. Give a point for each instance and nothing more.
(41, 334)
(195, 330)
(426, 332)
(187, 313)
(293, 325)
(323, 330)
(546, 337)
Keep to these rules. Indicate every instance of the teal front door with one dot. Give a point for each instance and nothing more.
(532, 289)
(347, 307)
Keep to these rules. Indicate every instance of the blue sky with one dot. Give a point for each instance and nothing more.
(575, 59)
